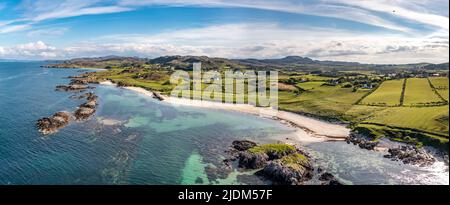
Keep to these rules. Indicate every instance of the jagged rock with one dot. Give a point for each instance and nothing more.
(334, 182)
(281, 173)
(252, 160)
(71, 87)
(90, 104)
(83, 113)
(326, 177)
(79, 81)
(158, 96)
(242, 145)
(329, 179)
(52, 124)
(361, 142)
(411, 155)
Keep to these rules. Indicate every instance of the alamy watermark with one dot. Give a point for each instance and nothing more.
(249, 87)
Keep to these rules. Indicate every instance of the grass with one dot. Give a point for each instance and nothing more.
(431, 119)
(295, 161)
(325, 101)
(310, 85)
(388, 93)
(441, 85)
(419, 92)
(403, 135)
(273, 148)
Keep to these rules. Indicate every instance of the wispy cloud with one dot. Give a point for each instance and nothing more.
(13, 28)
(47, 32)
(40, 10)
(407, 9)
(366, 12)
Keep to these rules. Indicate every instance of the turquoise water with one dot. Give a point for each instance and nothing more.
(134, 139)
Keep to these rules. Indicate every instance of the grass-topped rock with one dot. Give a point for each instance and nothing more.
(289, 170)
(279, 163)
(257, 156)
(274, 151)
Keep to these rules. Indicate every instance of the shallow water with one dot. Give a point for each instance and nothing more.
(151, 142)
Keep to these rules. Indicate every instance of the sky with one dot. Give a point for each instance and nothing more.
(366, 31)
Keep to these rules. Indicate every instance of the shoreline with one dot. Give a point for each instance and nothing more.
(308, 129)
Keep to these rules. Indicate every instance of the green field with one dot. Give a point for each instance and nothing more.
(327, 101)
(419, 92)
(310, 85)
(388, 93)
(430, 119)
(441, 85)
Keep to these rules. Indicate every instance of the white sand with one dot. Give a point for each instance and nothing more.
(309, 129)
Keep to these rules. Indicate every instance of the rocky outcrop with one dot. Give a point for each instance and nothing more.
(411, 155)
(83, 113)
(250, 160)
(279, 163)
(158, 96)
(286, 173)
(329, 179)
(242, 145)
(75, 87)
(361, 142)
(48, 125)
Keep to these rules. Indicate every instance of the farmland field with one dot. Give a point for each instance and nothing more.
(431, 119)
(331, 101)
(418, 91)
(310, 85)
(441, 85)
(388, 93)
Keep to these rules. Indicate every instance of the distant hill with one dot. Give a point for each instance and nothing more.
(442, 66)
(291, 63)
(100, 62)
(185, 62)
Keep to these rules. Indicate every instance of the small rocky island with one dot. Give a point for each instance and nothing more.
(50, 125)
(282, 164)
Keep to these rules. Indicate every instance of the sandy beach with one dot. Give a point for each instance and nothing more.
(308, 129)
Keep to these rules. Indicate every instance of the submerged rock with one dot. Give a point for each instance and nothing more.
(48, 125)
(411, 155)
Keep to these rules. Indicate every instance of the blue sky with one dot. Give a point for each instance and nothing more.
(372, 31)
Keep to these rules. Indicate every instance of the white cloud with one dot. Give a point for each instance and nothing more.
(34, 50)
(256, 41)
